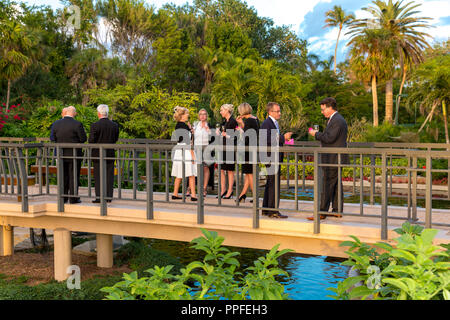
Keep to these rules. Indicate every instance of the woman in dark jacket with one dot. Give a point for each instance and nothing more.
(227, 169)
(248, 123)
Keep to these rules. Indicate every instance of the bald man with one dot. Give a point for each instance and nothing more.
(69, 130)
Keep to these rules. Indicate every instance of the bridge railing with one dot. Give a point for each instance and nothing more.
(142, 170)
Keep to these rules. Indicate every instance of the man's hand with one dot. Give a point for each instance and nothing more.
(288, 136)
(312, 132)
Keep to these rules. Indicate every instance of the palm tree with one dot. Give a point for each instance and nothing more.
(337, 18)
(233, 81)
(14, 44)
(207, 58)
(274, 84)
(407, 41)
(369, 50)
(430, 87)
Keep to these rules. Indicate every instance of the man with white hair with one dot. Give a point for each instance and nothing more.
(69, 130)
(107, 132)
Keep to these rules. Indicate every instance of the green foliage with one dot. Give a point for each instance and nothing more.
(140, 257)
(16, 289)
(143, 109)
(211, 279)
(413, 269)
(43, 117)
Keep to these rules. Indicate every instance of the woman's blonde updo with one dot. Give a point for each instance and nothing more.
(179, 113)
(245, 109)
(228, 107)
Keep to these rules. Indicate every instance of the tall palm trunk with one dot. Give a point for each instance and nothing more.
(389, 101)
(375, 101)
(399, 98)
(335, 50)
(7, 95)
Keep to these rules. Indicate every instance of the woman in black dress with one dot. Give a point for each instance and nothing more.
(227, 132)
(248, 122)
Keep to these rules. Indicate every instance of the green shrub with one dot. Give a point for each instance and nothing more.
(213, 278)
(42, 118)
(414, 269)
(141, 257)
(15, 289)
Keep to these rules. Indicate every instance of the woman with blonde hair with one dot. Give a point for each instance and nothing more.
(227, 169)
(202, 135)
(247, 121)
(183, 135)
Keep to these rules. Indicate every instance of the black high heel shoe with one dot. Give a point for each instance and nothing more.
(227, 198)
(243, 197)
(222, 195)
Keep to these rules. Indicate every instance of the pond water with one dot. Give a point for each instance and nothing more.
(309, 276)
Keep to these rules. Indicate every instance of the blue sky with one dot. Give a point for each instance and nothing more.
(306, 18)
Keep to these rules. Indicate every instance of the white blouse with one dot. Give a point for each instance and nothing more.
(201, 135)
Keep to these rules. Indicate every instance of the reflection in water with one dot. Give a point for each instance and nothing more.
(309, 276)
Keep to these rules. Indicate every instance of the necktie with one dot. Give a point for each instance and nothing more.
(278, 127)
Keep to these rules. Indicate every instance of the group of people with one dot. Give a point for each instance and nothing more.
(69, 130)
(201, 134)
(105, 131)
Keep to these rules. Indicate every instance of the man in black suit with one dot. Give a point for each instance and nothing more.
(69, 130)
(270, 126)
(334, 136)
(107, 132)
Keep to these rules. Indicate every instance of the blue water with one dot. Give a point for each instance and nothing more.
(309, 276)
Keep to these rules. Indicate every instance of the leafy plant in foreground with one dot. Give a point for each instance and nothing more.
(213, 278)
(414, 269)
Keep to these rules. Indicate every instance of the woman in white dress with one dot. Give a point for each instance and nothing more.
(183, 134)
(202, 135)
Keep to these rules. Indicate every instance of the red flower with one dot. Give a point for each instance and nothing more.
(16, 117)
(1, 121)
(13, 106)
(6, 116)
(424, 167)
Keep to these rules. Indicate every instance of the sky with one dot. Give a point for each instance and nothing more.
(306, 18)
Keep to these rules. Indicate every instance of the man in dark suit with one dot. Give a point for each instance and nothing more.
(269, 127)
(107, 132)
(69, 130)
(334, 136)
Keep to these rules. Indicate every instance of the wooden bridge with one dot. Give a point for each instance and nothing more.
(142, 208)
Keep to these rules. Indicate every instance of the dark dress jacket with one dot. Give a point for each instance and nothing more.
(269, 125)
(104, 131)
(68, 130)
(334, 136)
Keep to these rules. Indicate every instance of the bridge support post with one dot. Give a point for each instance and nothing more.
(63, 253)
(104, 251)
(6, 241)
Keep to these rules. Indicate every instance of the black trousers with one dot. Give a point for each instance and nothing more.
(330, 190)
(69, 178)
(269, 191)
(109, 178)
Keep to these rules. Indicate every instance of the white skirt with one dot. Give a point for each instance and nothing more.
(190, 168)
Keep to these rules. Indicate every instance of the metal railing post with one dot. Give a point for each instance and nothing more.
(149, 174)
(200, 199)
(255, 194)
(317, 191)
(23, 178)
(384, 199)
(103, 205)
(429, 192)
(60, 179)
